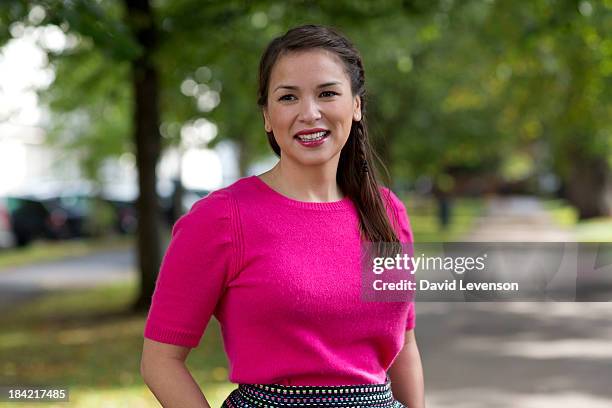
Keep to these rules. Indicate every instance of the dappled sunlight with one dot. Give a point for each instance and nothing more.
(84, 341)
(93, 332)
(516, 354)
(557, 310)
(540, 349)
(90, 345)
(502, 399)
(534, 310)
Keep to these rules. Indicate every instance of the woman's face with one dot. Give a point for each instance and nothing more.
(310, 107)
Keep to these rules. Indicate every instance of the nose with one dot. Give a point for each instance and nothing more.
(309, 111)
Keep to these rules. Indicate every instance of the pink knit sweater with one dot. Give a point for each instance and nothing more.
(283, 279)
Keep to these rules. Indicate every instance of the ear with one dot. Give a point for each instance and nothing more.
(267, 125)
(357, 109)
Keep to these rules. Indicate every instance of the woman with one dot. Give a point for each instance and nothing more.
(276, 257)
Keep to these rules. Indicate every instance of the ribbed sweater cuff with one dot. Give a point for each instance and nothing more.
(171, 336)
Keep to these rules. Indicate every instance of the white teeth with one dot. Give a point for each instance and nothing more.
(312, 136)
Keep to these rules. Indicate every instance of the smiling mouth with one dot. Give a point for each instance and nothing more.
(313, 137)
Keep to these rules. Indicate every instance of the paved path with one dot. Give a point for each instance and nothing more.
(24, 282)
(521, 354)
(518, 219)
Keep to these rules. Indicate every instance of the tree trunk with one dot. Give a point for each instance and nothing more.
(587, 186)
(148, 145)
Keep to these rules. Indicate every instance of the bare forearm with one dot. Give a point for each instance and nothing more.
(173, 385)
(406, 376)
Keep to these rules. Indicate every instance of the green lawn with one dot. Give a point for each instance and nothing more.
(424, 219)
(593, 230)
(86, 342)
(562, 213)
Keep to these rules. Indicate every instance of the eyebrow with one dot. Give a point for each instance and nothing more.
(295, 88)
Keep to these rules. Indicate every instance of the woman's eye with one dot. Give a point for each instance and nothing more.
(329, 93)
(286, 98)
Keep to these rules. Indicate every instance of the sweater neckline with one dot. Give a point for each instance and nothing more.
(343, 204)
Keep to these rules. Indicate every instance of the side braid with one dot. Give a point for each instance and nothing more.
(362, 149)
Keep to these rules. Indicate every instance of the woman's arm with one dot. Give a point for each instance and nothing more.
(163, 369)
(406, 374)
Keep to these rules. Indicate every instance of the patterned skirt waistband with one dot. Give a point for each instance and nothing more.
(288, 396)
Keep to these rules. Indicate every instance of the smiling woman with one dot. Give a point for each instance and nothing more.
(276, 258)
(297, 103)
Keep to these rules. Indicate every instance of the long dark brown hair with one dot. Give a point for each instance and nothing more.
(356, 175)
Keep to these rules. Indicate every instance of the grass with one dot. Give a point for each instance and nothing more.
(595, 230)
(424, 218)
(86, 341)
(592, 230)
(563, 214)
(45, 251)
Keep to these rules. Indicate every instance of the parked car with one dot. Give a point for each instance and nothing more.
(81, 214)
(68, 216)
(30, 219)
(127, 212)
(7, 237)
(52, 217)
(125, 216)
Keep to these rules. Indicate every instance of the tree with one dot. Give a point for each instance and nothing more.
(559, 61)
(129, 38)
(146, 120)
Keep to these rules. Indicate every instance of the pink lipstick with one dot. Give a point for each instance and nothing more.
(312, 137)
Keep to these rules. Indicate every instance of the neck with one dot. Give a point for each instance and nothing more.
(311, 184)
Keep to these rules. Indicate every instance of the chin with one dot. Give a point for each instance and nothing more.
(312, 160)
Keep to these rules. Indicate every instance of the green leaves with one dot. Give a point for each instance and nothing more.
(474, 84)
